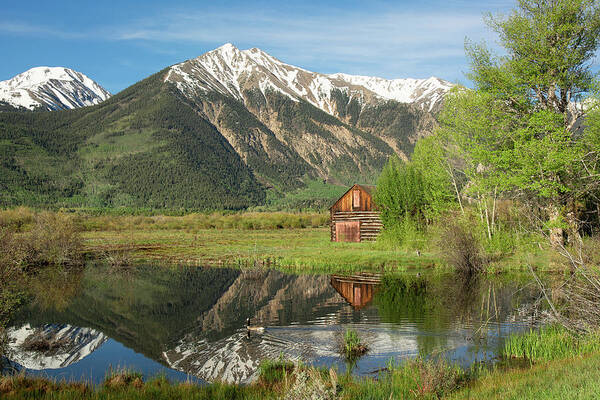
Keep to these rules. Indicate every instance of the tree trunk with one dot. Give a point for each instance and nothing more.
(573, 235)
(557, 238)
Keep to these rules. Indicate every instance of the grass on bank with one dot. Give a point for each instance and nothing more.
(561, 379)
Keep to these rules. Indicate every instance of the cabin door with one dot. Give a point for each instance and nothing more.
(347, 231)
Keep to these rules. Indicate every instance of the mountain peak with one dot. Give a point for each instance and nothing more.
(52, 88)
(230, 71)
(227, 46)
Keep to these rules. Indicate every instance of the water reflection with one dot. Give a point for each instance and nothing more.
(192, 320)
(357, 290)
(52, 346)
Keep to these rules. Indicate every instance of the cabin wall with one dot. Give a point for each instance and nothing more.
(370, 223)
(345, 202)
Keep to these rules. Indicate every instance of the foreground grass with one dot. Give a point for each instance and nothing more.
(23, 387)
(571, 378)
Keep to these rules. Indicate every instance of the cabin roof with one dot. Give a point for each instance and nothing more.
(367, 188)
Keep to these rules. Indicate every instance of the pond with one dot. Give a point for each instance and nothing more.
(190, 323)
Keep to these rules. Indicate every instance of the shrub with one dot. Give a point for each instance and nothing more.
(52, 240)
(460, 247)
(434, 377)
(405, 235)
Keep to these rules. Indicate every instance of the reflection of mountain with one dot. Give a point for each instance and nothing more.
(219, 348)
(235, 359)
(266, 296)
(52, 346)
(144, 309)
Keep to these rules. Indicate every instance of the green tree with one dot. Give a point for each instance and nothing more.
(440, 181)
(518, 132)
(417, 190)
(399, 191)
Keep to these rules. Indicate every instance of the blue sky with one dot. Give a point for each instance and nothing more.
(119, 43)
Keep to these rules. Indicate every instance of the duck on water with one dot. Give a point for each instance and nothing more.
(250, 328)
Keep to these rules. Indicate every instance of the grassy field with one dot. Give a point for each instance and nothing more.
(293, 241)
(308, 249)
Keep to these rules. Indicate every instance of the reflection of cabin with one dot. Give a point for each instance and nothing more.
(357, 290)
(354, 217)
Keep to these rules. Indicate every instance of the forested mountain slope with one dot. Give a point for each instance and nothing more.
(195, 137)
(142, 147)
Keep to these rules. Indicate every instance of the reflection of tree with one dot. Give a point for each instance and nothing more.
(437, 302)
(54, 288)
(414, 299)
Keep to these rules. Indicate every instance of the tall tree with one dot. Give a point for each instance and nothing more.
(519, 131)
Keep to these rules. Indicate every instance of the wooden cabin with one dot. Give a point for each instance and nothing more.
(354, 217)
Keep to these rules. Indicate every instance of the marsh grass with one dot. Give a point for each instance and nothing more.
(124, 386)
(352, 347)
(550, 343)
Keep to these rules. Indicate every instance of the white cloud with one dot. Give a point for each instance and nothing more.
(383, 41)
(391, 39)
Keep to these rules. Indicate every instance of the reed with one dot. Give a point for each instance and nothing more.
(550, 343)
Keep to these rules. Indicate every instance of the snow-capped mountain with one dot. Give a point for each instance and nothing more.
(230, 71)
(52, 88)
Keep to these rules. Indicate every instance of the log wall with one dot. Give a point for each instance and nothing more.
(370, 223)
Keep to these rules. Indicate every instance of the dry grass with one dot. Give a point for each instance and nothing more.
(196, 221)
